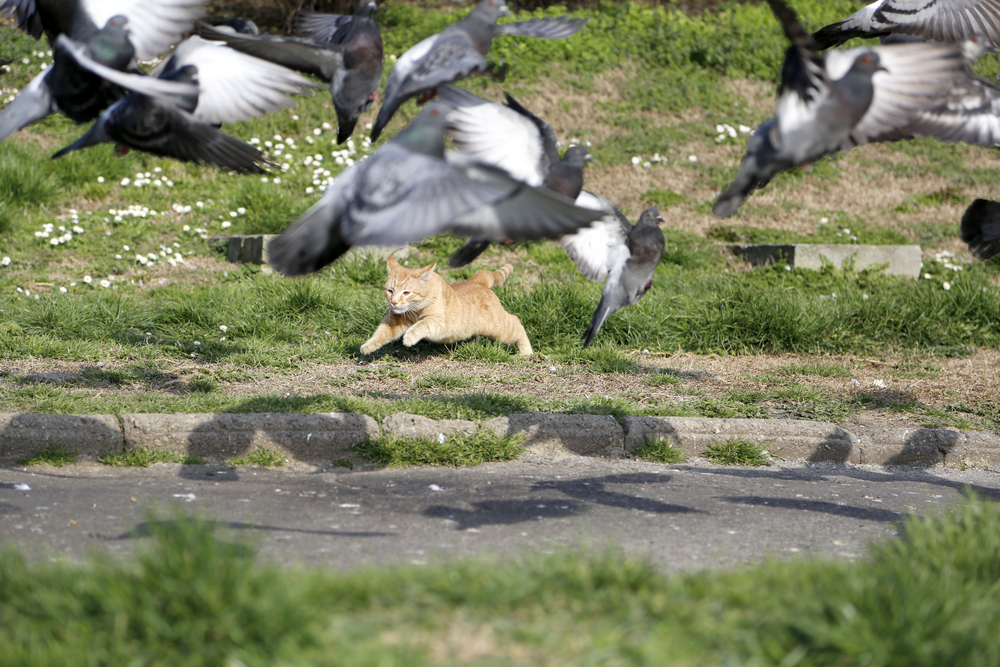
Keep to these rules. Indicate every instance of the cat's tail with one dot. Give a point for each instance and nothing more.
(493, 278)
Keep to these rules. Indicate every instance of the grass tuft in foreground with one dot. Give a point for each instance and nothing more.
(457, 449)
(660, 450)
(195, 597)
(262, 457)
(738, 452)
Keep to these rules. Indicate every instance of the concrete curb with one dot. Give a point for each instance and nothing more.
(325, 437)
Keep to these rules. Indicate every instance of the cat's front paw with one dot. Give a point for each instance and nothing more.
(369, 347)
(410, 339)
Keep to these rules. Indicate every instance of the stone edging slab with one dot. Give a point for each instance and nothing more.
(320, 437)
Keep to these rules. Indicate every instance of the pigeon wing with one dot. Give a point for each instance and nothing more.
(234, 86)
(404, 197)
(981, 228)
(519, 212)
(146, 85)
(320, 27)
(32, 105)
(495, 134)
(545, 28)
(917, 79)
(298, 54)
(154, 25)
(596, 249)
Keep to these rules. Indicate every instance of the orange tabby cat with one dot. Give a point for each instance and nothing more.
(422, 305)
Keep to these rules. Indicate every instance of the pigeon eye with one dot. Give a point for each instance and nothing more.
(866, 60)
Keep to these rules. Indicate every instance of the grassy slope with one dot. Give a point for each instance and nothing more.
(652, 82)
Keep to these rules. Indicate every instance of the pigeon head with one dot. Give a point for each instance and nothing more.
(867, 64)
(117, 22)
(110, 45)
(976, 46)
(577, 156)
(650, 218)
(365, 8)
(491, 10)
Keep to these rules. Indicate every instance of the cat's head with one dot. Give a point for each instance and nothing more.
(408, 290)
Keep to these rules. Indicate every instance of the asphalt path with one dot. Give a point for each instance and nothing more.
(681, 517)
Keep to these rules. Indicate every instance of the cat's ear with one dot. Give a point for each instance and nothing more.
(425, 272)
(392, 263)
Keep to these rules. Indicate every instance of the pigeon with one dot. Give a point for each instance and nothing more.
(349, 58)
(512, 138)
(459, 51)
(980, 228)
(221, 85)
(614, 250)
(833, 102)
(946, 21)
(66, 87)
(154, 26)
(168, 129)
(410, 189)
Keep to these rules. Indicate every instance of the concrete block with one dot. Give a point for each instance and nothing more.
(417, 426)
(979, 450)
(909, 446)
(252, 249)
(902, 260)
(317, 437)
(788, 438)
(587, 435)
(24, 434)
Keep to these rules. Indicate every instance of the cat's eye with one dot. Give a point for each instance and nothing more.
(406, 292)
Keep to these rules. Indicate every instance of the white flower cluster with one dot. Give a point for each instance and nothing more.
(172, 257)
(154, 178)
(846, 232)
(726, 131)
(656, 159)
(948, 260)
(49, 230)
(133, 211)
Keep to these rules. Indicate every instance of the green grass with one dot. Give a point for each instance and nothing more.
(660, 450)
(53, 456)
(457, 449)
(262, 457)
(738, 452)
(155, 313)
(194, 595)
(143, 457)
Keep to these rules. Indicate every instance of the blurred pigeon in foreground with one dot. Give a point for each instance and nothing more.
(411, 189)
(947, 21)
(66, 87)
(514, 139)
(155, 25)
(459, 51)
(222, 85)
(347, 57)
(981, 228)
(844, 99)
(614, 249)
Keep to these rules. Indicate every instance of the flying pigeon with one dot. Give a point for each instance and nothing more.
(221, 85)
(411, 189)
(980, 228)
(459, 51)
(512, 138)
(66, 87)
(614, 250)
(833, 102)
(947, 21)
(154, 25)
(349, 58)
